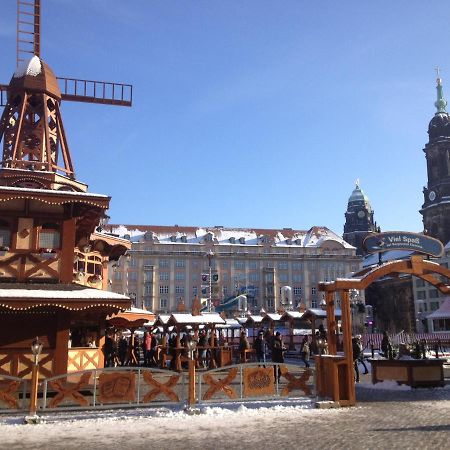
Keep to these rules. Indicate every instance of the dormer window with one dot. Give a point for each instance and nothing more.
(208, 237)
(184, 239)
(148, 236)
(264, 239)
(173, 238)
(289, 241)
(50, 236)
(242, 240)
(232, 240)
(298, 242)
(5, 234)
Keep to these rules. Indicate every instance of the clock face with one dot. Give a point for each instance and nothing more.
(432, 196)
(361, 214)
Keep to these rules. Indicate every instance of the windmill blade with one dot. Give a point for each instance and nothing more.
(28, 29)
(3, 94)
(90, 91)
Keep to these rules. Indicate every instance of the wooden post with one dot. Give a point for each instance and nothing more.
(348, 351)
(34, 388)
(191, 373)
(331, 323)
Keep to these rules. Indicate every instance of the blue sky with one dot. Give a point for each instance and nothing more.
(249, 113)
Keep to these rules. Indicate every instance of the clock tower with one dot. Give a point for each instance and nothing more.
(358, 219)
(436, 207)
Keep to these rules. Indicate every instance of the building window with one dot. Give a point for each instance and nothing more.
(5, 234)
(253, 265)
(313, 290)
(270, 303)
(283, 277)
(133, 262)
(117, 276)
(164, 276)
(179, 263)
(297, 278)
(239, 265)
(164, 263)
(421, 295)
(224, 264)
(148, 276)
(420, 283)
(133, 276)
(147, 289)
(282, 265)
(296, 266)
(179, 289)
(225, 291)
(269, 290)
(297, 290)
(433, 293)
(434, 306)
(163, 303)
(268, 277)
(242, 240)
(49, 236)
(179, 276)
(194, 290)
(253, 277)
(163, 289)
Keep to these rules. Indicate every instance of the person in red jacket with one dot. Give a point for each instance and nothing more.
(147, 348)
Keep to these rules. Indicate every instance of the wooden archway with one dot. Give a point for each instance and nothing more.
(335, 377)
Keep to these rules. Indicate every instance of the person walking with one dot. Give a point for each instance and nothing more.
(305, 352)
(361, 353)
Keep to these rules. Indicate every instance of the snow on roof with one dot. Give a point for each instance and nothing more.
(443, 312)
(390, 255)
(52, 192)
(188, 318)
(294, 314)
(321, 312)
(60, 292)
(32, 67)
(273, 316)
(314, 237)
(256, 319)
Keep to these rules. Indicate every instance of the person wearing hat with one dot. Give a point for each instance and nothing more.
(260, 347)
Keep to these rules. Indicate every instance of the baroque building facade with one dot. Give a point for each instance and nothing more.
(169, 265)
(436, 207)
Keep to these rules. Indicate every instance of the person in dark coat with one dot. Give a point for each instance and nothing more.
(146, 347)
(260, 347)
(386, 346)
(278, 353)
(123, 350)
(109, 350)
(356, 354)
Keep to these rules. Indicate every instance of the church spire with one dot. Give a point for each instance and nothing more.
(440, 103)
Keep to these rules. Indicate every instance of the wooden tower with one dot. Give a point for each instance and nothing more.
(53, 260)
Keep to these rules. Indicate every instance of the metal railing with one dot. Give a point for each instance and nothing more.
(13, 393)
(274, 381)
(114, 387)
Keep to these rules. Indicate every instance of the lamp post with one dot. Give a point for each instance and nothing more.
(191, 345)
(209, 255)
(36, 350)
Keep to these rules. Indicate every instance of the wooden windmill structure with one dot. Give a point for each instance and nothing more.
(53, 260)
(31, 125)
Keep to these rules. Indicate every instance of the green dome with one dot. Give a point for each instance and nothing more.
(358, 196)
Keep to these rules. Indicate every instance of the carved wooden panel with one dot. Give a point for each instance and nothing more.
(68, 390)
(258, 381)
(20, 364)
(8, 393)
(220, 384)
(116, 387)
(158, 387)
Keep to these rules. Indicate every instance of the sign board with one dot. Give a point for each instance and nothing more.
(402, 240)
